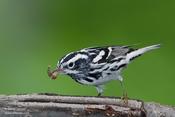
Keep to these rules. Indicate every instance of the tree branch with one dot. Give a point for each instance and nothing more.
(68, 106)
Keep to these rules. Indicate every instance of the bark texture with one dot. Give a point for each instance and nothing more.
(49, 105)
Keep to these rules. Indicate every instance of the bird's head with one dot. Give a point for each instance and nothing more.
(72, 64)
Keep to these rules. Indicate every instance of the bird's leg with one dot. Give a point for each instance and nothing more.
(124, 97)
(99, 89)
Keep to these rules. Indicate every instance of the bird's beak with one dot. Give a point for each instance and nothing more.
(53, 74)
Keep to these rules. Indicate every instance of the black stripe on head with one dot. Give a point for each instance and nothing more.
(72, 55)
(83, 53)
(67, 58)
(103, 59)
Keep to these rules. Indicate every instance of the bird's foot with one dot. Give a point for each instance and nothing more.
(125, 98)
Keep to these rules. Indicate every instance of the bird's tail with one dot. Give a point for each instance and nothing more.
(140, 51)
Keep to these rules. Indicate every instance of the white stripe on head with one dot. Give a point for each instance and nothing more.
(99, 56)
(78, 56)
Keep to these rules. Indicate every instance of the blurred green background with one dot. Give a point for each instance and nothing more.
(35, 33)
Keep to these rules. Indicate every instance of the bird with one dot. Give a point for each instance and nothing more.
(96, 66)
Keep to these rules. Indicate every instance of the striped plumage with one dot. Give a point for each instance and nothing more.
(98, 65)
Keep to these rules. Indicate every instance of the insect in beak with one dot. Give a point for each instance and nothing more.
(53, 74)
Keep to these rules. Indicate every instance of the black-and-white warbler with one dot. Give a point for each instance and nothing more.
(98, 65)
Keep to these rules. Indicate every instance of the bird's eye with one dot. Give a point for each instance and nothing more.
(71, 65)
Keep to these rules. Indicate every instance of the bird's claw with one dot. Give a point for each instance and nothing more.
(125, 98)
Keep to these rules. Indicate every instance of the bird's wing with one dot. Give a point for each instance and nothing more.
(118, 51)
(107, 53)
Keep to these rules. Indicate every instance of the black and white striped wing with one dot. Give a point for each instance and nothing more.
(119, 52)
(107, 54)
(105, 61)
